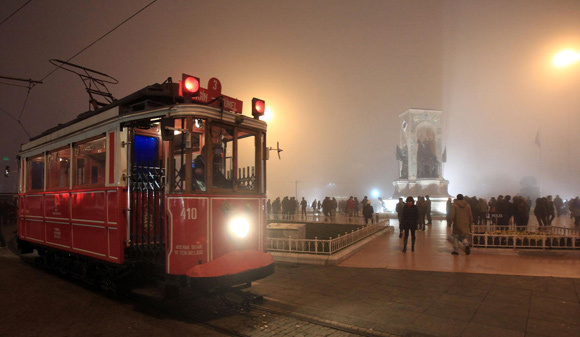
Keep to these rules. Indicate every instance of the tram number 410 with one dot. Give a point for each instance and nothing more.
(189, 213)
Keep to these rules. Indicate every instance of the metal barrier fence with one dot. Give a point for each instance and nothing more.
(547, 237)
(323, 247)
(564, 231)
(493, 228)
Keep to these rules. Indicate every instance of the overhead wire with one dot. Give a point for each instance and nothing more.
(16, 11)
(30, 86)
(100, 38)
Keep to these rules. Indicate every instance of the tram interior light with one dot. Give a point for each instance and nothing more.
(7, 172)
(258, 107)
(189, 87)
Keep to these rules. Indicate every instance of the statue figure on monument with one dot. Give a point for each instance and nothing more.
(427, 162)
(403, 158)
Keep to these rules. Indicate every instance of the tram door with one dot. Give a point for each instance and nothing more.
(147, 197)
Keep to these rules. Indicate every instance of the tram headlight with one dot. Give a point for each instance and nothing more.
(240, 226)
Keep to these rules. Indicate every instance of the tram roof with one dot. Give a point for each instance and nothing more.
(153, 97)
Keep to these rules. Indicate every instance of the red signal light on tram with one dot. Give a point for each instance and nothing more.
(258, 107)
(189, 86)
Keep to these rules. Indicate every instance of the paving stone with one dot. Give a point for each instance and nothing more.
(484, 330)
(551, 328)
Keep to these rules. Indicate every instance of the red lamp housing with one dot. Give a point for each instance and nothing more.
(258, 107)
(189, 86)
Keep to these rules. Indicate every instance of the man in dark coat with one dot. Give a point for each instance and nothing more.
(559, 204)
(368, 212)
(410, 219)
(506, 209)
(399, 209)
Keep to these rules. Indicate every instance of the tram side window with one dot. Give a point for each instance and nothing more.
(35, 173)
(58, 168)
(90, 162)
(246, 178)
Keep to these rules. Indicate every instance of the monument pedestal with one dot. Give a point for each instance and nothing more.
(434, 188)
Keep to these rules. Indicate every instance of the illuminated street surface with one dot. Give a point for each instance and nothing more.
(433, 253)
(366, 292)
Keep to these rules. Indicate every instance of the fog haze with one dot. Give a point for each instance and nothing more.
(336, 75)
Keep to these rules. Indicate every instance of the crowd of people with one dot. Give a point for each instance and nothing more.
(288, 207)
(503, 209)
(465, 211)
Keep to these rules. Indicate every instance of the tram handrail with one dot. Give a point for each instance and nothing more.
(322, 247)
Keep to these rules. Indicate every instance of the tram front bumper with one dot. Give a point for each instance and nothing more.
(234, 268)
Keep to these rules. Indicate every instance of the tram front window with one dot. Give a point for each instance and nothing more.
(206, 158)
(186, 145)
(246, 177)
(222, 156)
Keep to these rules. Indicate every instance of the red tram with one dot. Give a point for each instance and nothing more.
(164, 181)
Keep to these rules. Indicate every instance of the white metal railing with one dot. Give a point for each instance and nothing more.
(545, 237)
(564, 231)
(494, 228)
(326, 247)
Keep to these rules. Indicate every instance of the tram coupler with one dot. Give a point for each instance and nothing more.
(248, 297)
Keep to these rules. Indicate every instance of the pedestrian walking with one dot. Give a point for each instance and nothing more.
(350, 208)
(422, 209)
(303, 205)
(428, 210)
(448, 206)
(409, 219)
(541, 212)
(461, 217)
(399, 209)
(575, 211)
(368, 212)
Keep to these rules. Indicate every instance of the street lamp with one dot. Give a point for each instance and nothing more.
(565, 58)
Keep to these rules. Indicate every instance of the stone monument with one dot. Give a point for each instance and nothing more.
(421, 156)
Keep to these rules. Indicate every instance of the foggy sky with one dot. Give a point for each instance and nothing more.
(336, 75)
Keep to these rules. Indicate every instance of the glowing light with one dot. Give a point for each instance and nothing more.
(191, 84)
(375, 193)
(240, 227)
(260, 106)
(267, 116)
(565, 58)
